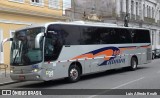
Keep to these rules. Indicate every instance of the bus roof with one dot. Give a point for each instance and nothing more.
(97, 24)
(81, 23)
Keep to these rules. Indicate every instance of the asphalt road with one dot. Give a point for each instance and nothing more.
(147, 76)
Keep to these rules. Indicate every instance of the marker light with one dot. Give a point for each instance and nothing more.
(35, 70)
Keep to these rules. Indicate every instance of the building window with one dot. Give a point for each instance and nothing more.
(19, 1)
(159, 38)
(144, 9)
(152, 38)
(55, 4)
(132, 7)
(37, 2)
(152, 12)
(136, 8)
(159, 14)
(121, 4)
(147, 11)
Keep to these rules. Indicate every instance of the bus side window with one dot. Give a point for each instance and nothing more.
(53, 46)
(124, 36)
(141, 36)
(111, 37)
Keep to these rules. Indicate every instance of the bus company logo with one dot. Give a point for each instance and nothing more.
(6, 92)
(35, 66)
(108, 52)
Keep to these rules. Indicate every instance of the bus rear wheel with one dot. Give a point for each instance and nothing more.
(74, 73)
(133, 63)
(153, 56)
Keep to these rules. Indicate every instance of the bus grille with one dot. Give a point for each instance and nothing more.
(21, 71)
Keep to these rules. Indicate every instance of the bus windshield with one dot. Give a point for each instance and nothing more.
(23, 50)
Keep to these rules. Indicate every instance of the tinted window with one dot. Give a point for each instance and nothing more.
(140, 36)
(85, 35)
(53, 43)
(97, 35)
(90, 35)
(109, 36)
(72, 34)
(123, 36)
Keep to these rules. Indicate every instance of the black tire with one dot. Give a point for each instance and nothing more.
(153, 56)
(74, 73)
(133, 64)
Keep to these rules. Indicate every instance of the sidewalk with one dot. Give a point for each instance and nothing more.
(5, 80)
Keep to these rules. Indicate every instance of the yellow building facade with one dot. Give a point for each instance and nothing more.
(16, 14)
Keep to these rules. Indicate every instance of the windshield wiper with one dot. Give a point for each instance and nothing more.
(17, 54)
(15, 58)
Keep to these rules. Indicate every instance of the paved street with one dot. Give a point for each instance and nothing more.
(146, 77)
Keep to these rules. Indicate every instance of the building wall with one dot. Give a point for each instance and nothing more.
(28, 7)
(148, 17)
(89, 6)
(142, 13)
(16, 15)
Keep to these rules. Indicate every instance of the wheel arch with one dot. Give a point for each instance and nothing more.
(77, 64)
(134, 56)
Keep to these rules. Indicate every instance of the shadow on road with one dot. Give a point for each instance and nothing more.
(58, 82)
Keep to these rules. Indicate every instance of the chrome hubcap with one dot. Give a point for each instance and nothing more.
(74, 74)
(134, 64)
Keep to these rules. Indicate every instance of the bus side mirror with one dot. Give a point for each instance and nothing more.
(4, 41)
(37, 40)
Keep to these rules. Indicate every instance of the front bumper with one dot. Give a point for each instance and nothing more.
(27, 77)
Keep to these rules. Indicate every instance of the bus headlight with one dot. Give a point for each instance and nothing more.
(35, 70)
(37, 77)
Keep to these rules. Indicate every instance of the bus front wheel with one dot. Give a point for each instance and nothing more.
(133, 63)
(73, 73)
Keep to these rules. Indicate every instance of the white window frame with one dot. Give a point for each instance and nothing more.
(18, 1)
(41, 3)
(1, 53)
(54, 4)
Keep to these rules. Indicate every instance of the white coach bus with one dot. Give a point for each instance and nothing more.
(72, 49)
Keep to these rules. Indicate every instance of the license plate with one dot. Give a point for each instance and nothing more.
(21, 77)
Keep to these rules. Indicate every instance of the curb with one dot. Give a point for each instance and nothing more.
(7, 83)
